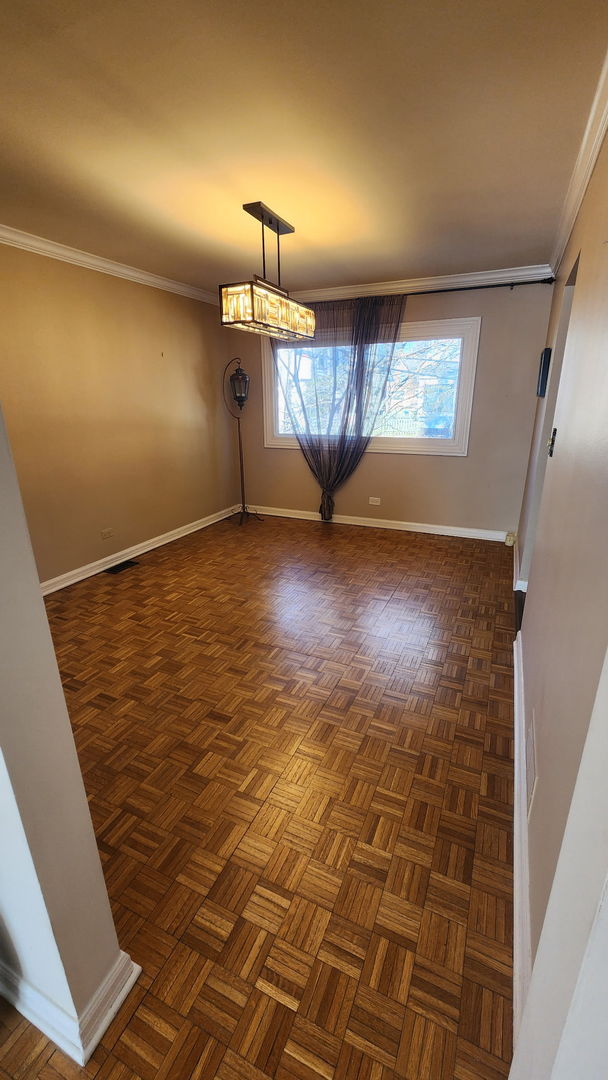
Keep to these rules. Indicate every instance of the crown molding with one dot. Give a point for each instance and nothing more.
(514, 275)
(597, 125)
(37, 244)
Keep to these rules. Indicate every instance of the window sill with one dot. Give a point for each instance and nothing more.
(428, 447)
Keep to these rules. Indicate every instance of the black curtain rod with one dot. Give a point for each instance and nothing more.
(469, 288)
(459, 288)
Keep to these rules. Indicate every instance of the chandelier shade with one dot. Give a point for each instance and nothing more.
(262, 308)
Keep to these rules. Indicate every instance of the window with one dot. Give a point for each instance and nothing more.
(429, 393)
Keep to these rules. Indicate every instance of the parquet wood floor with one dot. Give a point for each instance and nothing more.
(297, 744)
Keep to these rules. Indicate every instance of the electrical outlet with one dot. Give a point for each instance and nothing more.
(373, 501)
(106, 534)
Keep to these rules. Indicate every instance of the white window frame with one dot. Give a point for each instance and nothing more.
(468, 329)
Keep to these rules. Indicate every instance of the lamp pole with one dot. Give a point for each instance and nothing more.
(244, 511)
(239, 387)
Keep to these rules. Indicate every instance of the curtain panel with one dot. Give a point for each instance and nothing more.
(332, 387)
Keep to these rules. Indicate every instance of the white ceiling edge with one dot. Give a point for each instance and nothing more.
(53, 250)
(591, 144)
(514, 275)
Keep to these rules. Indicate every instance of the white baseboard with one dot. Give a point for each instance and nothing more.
(519, 584)
(106, 1001)
(382, 523)
(522, 947)
(58, 1025)
(77, 1036)
(81, 572)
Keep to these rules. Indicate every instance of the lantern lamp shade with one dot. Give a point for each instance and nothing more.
(262, 309)
(239, 386)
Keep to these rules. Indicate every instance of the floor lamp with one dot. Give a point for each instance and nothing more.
(239, 390)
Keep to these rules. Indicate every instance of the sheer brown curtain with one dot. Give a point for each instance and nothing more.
(331, 388)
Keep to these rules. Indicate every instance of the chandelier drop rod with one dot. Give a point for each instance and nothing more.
(264, 251)
(264, 254)
(279, 259)
(262, 306)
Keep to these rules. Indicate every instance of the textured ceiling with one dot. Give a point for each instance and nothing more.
(402, 139)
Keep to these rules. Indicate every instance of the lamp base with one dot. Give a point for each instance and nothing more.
(244, 514)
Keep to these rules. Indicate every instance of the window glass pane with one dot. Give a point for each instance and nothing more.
(420, 398)
(315, 380)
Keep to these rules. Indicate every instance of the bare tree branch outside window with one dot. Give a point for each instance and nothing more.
(419, 400)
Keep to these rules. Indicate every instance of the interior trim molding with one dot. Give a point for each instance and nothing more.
(82, 572)
(106, 1001)
(597, 126)
(514, 275)
(519, 584)
(44, 1014)
(383, 523)
(467, 328)
(54, 250)
(62, 581)
(76, 1036)
(522, 947)
(39, 246)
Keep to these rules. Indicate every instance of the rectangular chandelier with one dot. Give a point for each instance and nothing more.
(262, 308)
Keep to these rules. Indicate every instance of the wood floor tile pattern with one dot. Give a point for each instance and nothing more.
(296, 740)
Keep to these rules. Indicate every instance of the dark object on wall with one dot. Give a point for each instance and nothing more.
(239, 390)
(543, 372)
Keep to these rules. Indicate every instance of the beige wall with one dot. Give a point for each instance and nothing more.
(111, 393)
(565, 626)
(480, 491)
(563, 1030)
